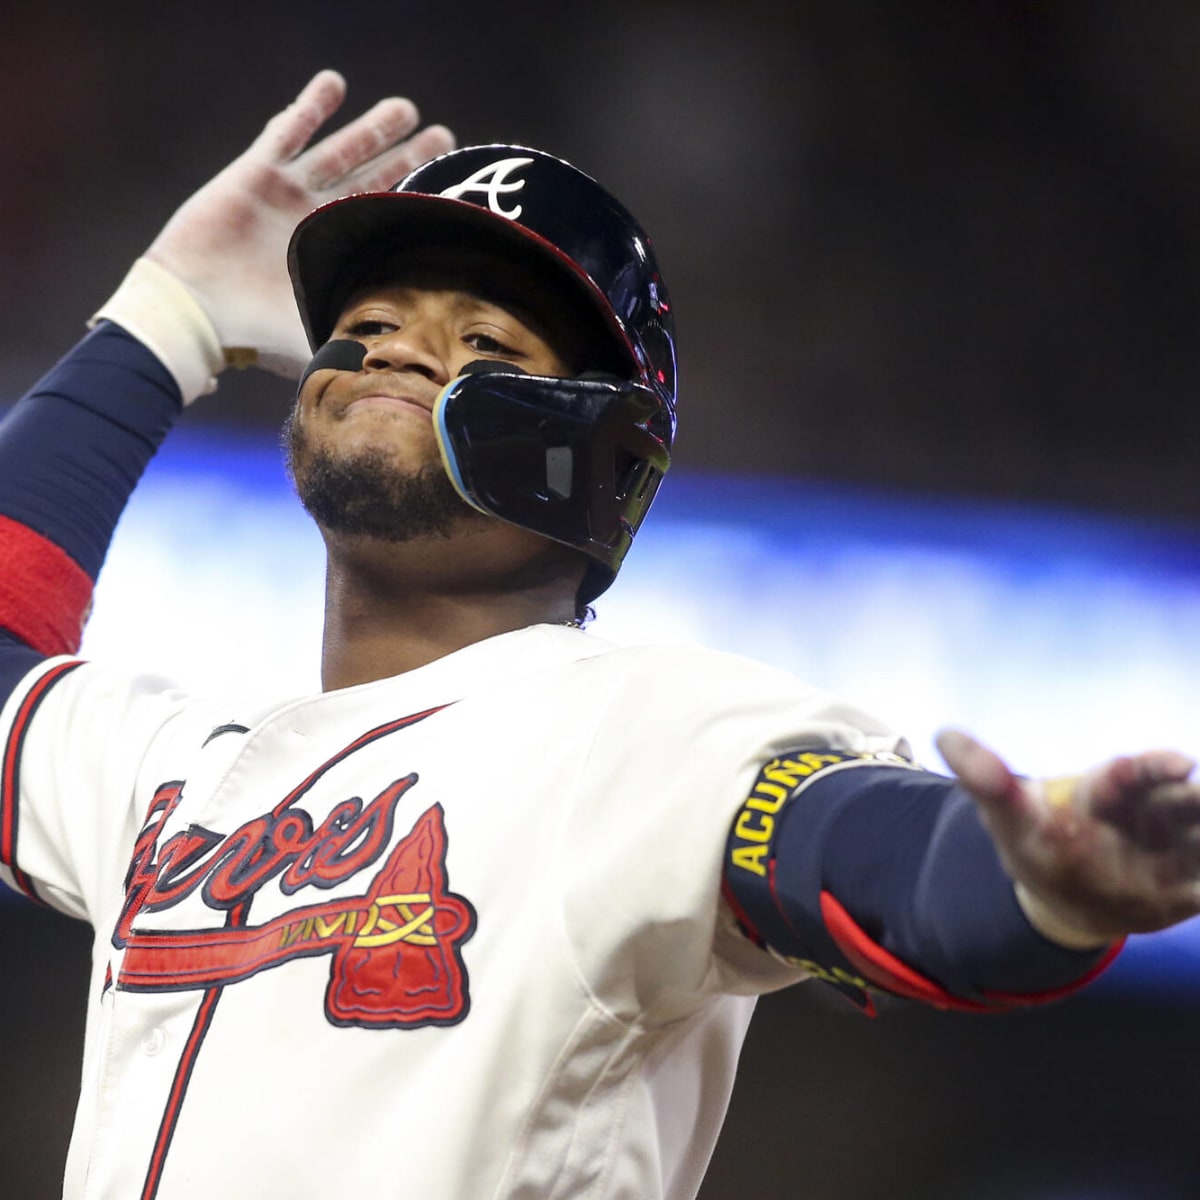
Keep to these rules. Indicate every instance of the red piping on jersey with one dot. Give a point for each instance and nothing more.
(370, 736)
(45, 595)
(887, 971)
(10, 773)
(166, 1130)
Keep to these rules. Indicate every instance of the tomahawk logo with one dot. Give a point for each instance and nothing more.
(394, 944)
(492, 181)
(395, 960)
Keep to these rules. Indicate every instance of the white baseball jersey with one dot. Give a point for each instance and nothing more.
(451, 935)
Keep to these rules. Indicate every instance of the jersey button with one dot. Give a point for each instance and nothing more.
(153, 1040)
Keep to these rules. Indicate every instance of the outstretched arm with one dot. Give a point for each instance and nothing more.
(982, 892)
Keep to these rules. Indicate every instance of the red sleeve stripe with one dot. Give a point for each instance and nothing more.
(45, 595)
(885, 970)
(10, 773)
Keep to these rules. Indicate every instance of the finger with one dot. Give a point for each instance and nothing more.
(1125, 780)
(983, 773)
(381, 173)
(1154, 767)
(333, 158)
(1180, 799)
(288, 132)
(1153, 814)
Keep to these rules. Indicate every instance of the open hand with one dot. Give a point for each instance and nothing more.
(1113, 851)
(228, 243)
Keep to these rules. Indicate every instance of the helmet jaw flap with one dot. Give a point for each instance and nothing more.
(571, 459)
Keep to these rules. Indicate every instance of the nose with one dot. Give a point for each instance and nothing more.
(415, 348)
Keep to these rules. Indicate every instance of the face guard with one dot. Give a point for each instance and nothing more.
(578, 461)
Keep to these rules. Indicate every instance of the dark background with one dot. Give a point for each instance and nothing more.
(946, 248)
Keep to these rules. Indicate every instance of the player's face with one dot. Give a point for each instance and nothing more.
(361, 443)
(421, 321)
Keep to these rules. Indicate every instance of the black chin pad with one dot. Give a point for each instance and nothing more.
(342, 354)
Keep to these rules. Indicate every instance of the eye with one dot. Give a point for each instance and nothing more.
(485, 343)
(368, 327)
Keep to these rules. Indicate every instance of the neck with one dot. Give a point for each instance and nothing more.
(392, 608)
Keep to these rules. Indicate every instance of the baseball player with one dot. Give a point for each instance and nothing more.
(486, 916)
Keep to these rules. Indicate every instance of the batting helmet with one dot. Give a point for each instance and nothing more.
(576, 460)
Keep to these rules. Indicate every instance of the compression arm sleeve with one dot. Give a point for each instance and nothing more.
(882, 878)
(71, 452)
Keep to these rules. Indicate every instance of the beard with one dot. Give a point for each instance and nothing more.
(364, 494)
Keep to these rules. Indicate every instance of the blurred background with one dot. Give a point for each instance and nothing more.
(937, 273)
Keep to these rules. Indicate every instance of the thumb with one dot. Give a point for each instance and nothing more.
(983, 773)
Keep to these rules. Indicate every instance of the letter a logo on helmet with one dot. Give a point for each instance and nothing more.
(491, 181)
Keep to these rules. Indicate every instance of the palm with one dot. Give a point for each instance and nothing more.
(228, 243)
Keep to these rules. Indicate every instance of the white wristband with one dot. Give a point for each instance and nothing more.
(165, 317)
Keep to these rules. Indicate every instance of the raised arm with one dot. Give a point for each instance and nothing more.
(212, 290)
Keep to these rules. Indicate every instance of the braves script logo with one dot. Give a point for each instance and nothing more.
(492, 180)
(395, 948)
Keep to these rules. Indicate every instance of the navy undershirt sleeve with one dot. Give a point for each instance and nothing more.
(73, 449)
(908, 855)
(16, 661)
